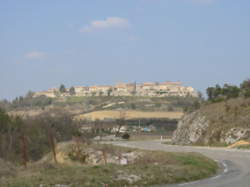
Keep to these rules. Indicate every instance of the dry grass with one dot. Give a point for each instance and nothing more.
(129, 114)
(232, 113)
(223, 116)
(6, 169)
(151, 168)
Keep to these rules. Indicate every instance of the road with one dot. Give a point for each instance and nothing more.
(235, 163)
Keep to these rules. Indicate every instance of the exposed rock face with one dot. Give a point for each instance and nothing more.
(191, 129)
(197, 128)
(236, 134)
(70, 153)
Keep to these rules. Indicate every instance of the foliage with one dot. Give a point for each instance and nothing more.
(153, 168)
(218, 93)
(125, 136)
(72, 91)
(28, 101)
(245, 87)
(36, 131)
(40, 101)
(62, 88)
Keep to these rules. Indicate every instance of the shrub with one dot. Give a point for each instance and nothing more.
(125, 136)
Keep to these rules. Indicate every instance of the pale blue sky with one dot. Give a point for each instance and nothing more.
(83, 42)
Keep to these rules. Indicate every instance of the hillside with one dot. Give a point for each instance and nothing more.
(130, 114)
(216, 123)
(82, 105)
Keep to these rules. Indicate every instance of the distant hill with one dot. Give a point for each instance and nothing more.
(82, 105)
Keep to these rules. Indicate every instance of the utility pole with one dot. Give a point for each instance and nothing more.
(139, 126)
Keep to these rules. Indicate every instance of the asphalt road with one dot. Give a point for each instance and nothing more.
(235, 164)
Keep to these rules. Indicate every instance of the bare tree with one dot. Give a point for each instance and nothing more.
(24, 150)
(21, 129)
(51, 137)
(120, 121)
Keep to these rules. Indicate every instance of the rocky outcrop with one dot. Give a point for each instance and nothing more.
(213, 124)
(191, 129)
(72, 153)
(236, 134)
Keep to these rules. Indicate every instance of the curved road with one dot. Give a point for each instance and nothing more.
(235, 163)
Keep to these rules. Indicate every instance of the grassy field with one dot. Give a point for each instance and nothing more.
(151, 168)
(129, 114)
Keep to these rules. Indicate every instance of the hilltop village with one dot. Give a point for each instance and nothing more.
(150, 89)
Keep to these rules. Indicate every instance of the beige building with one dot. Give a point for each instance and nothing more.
(102, 90)
(151, 89)
(49, 93)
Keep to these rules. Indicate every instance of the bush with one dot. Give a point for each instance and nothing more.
(125, 136)
(218, 93)
(36, 131)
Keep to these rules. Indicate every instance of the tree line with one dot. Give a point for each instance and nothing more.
(26, 101)
(30, 101)
(227, 91)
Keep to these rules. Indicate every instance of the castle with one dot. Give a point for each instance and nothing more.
(151, 89)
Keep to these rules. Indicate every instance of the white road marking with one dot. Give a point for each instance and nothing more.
(225, 167)
(188, 183)
(216, 177)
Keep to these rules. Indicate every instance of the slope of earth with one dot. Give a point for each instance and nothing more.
(79, 105)
(123, 167)
(220, 123)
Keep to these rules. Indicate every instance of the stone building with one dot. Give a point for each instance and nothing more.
(150, 89)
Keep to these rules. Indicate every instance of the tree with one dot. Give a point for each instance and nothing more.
(72, 91)
(62, 89)
(13, 138)
(125, 136)
(5, 127)
(211, 93)
(217, 91)
(200, 96)
(51, 136)
(30, 138)
(109, 91)
(230, 91)
(30, 94)
(245, 84)
(133, 106)
(5, 104)
(245, 88)
(23, 140)
(101, 93)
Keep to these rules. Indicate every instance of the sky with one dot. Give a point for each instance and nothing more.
(92, 42)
